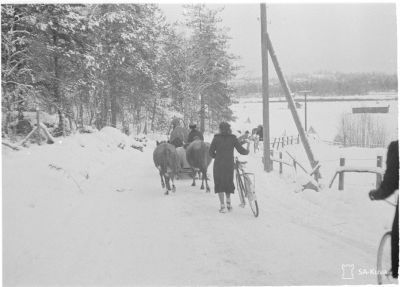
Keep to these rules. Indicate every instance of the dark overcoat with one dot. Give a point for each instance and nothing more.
(388, 186)
(390, 181)
(221, 149)
(193, 134)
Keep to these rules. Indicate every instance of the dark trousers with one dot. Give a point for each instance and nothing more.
(395, 244)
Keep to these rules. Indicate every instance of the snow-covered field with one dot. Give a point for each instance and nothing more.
(324, 117)
(87, 212)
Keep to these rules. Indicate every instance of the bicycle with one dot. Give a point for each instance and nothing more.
(246, 186)
(384, 262)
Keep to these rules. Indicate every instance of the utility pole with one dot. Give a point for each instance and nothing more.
(264, 56)
(292, 107)
(305, 92)
(305, 112)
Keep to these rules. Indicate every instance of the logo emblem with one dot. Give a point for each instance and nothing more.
(347, 271)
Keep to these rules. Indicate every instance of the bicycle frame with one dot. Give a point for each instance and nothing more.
(247, 180)
(245, 183)
(239, 180)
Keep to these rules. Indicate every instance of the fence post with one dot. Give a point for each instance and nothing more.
(280, 163)
(273, 144)
(298, 138)
(272, 162)
(283, 142)
(341, 174)
(378, 176)
(291, 140)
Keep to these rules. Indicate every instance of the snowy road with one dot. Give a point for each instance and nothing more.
(121, 229)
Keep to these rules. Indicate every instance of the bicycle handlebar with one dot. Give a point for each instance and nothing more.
(389, 202)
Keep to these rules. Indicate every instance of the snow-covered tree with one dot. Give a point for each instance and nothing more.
(212, 65)
(16, 60)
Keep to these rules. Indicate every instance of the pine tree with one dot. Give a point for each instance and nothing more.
(212, 66)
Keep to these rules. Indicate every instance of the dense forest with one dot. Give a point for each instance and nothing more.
(125, 66)
(117, 65)
(324, 84)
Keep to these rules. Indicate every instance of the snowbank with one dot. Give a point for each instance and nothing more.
(113, 136)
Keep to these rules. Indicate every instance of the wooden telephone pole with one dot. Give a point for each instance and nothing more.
(292, 108)
(264, 55)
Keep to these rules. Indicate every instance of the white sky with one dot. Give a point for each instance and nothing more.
(358, 37)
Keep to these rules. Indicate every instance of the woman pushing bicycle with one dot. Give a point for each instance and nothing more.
(221, 150)
(388, 186)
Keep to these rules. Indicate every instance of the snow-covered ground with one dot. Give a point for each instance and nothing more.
(89, 211)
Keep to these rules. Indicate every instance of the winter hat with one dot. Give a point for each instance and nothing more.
(192, 126)
(175, 122)
(225, 128)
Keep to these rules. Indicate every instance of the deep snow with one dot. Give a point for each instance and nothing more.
(86, 212)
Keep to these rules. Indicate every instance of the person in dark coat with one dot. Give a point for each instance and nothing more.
(221, 149)
(178, 135)
(388, 186)
(260, 133)
(194, 134)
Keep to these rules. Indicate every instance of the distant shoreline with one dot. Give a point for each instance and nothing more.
(322, 99)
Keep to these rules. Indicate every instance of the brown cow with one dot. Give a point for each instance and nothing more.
(198, 157)
(166, 160)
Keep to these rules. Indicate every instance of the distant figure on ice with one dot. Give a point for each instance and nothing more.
(221, 150)
(259, 132)
(257, 136)
(194, 134)
(388, 186)
(179, 135)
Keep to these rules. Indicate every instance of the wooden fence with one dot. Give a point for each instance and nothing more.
(294, 165)
(342, 169)
(284, 141)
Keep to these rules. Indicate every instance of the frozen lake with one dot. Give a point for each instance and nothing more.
(324, 117)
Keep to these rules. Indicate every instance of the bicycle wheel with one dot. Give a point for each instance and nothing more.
(251, 196)
(384, 262)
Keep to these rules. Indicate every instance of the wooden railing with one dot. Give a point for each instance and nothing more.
(342, 169)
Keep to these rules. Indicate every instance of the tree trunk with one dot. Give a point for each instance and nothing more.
(113, 105)
(61, 121)
(153, 115)
(139, 120)
(56, 86)
(104, 116)
(80, 111)
(202, 113)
